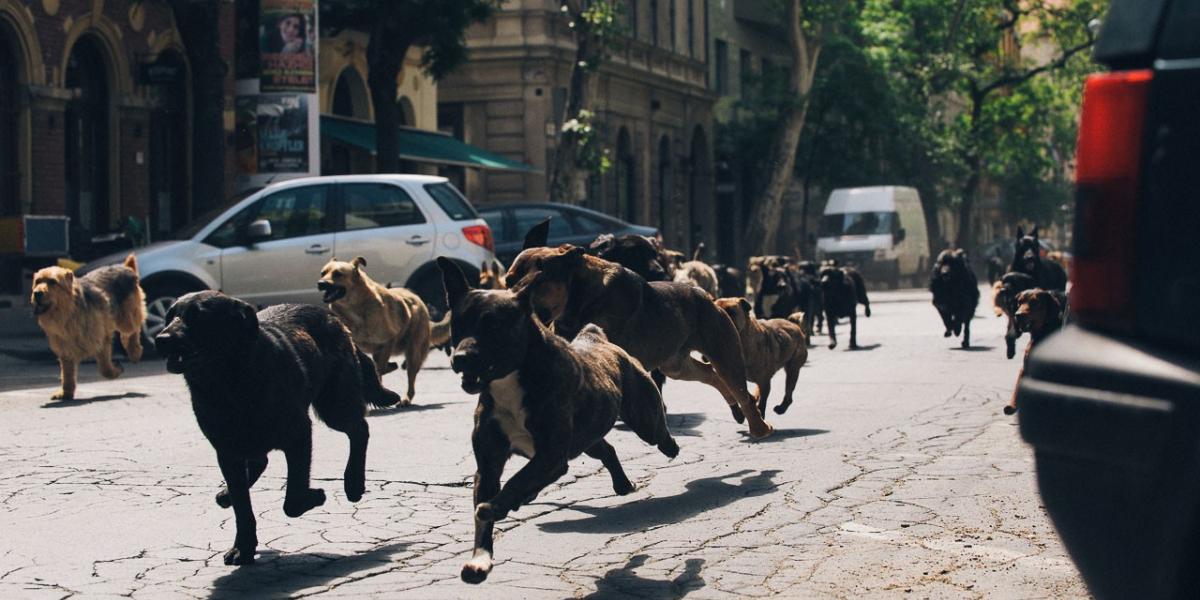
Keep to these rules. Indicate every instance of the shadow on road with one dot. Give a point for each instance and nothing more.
(276, 575)
(391, 410)
(782, 434)
(83, 401)
(701, 495)
(866, 348)
(973, 348)
(624, 583)
(684, 424)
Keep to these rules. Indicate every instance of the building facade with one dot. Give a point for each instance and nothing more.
(651, 102)
(95, 121)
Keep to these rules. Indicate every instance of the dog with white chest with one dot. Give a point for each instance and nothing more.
(541, 397)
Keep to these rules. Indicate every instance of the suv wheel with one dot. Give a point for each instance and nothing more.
(159, 299)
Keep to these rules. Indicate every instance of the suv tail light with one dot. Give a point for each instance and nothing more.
(480, 235)
(1108, 158)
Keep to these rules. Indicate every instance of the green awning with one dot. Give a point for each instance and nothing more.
(418, 145)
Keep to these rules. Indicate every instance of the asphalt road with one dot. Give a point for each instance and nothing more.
(893, 475)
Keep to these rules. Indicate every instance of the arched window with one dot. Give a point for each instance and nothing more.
(87, 137)
(10, 175)
(664, 185)
(625, 179)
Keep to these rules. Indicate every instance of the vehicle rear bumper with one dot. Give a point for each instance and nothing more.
(1116, 436)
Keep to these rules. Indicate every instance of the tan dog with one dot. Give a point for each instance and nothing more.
(768, 345)
(699, 275)
(491, 277)
(80, 315)
(383, 321)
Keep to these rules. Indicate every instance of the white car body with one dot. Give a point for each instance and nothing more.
(900, 252)
(274, 271)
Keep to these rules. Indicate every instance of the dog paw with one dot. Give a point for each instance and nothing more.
(239, 556)
(764, 431)
(406, 400)
(1011, 352)
(868, 311)
(669, 447)
(388, 368)
(947, 334)
(477, 570)
(302, 502)
(114, 372)
(965, 344)
(832, 345)
(355, 485)
(488, 513)
(782, 408)
(223, 498)
(737, 413)
(623, 488)
(61, 395)
(1010, 410)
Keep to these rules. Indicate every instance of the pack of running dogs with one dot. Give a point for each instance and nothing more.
(558, 348)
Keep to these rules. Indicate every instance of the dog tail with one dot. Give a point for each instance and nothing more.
(131, 263)
(439, 332)
(373, 391)
(698, 251)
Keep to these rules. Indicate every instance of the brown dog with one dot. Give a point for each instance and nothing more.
(659, 323)
(80, 315)
(1040, 313)
(768, 345)
(383, 321)
(491, 277)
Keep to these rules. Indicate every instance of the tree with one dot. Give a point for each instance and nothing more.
(198, 24)
(394, 26)
(595, 24)
(993, 72)
(806, 23)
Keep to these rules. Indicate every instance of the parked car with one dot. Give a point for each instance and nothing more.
(568, 225)
(1111, 405)
(880, 230)
(269, 247)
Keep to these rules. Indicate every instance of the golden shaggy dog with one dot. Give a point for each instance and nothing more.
(80, 315)
(383, 321)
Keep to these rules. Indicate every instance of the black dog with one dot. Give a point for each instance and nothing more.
(252, 378)
(843, 289)
(955, 293)
(634, 252)
(541, 397)
(784, 291)
(729, 281)
(1027, 259)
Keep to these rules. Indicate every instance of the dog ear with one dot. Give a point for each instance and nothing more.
(603, 243)
(248, 319)
(746, 305)
(538, 236)
(1020, 232)
(359, 262)
(454, 281)
(1033, 232)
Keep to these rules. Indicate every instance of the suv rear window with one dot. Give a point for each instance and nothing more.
(451, 201)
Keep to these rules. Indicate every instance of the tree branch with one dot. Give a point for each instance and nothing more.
(1019, 78)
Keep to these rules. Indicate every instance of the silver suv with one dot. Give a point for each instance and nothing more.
(269, 248)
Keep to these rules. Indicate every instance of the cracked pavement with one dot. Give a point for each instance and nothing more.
(893, 475)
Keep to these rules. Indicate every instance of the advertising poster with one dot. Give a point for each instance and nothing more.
(272, 134)
(287, 46)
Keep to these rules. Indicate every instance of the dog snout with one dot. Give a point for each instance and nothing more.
(38, 295)
(323, 285)
(166, 343)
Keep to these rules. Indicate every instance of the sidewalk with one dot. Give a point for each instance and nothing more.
(20, 337)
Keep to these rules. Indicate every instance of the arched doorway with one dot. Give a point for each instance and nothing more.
(664, 188)
(87, 138)
(10, 173)
(626, 205)
(351, 100)
(702, 212)
(168, 147)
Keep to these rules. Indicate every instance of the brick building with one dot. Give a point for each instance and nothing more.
(95, 120)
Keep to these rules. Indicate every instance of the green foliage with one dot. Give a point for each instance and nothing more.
(602, 21)
(592, 156)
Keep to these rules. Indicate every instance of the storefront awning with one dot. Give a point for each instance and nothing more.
(418, 145)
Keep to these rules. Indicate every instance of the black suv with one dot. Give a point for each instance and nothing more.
(1112, 405)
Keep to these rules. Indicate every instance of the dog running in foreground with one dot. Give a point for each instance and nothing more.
(955, 293)
(252, 377)
(541, 397)
(1040, 313)
(769, 345)
(384, 321)
(80, 315)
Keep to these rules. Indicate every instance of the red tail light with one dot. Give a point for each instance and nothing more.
(480, 235)
(1106, 186)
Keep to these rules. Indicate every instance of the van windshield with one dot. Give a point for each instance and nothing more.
(859, 223)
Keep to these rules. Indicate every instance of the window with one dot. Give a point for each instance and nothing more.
(691, 32)
(370, 205)
(585, 224)
(495, 221)
(527, 217)
(633, 19)
(671, 20)
(859, 223)
(292, 213)
(745, 66)
(722, 68)
(451, 201)
(654, 22)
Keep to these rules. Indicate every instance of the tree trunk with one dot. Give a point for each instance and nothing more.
(567, 180)
(763, 228)
(966, 227)
(198, 24)
(385, 57)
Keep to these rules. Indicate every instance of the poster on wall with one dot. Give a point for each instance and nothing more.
(272, 134)
(287, 46)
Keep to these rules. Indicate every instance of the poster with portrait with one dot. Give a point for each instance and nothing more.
(272, 134)
(287, 46)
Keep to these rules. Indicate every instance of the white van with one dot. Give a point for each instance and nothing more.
(880, 230)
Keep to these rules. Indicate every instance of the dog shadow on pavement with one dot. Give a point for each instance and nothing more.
(83, 401)
(625, 583)
(701, 495)
(972, 348)
(680, 424)
(782, 434)
(864, 348)
(411, 408)
(276, 575)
